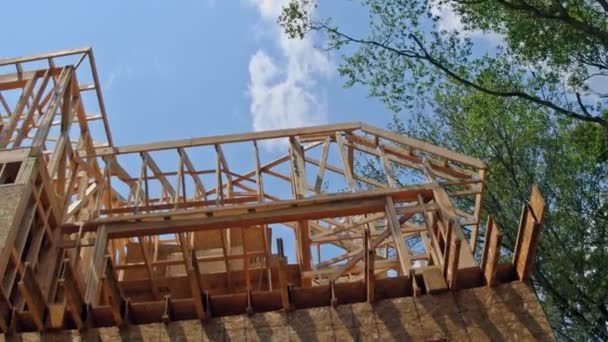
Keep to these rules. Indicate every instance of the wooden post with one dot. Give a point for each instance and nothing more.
(491, 252)
(194, 275)
(304, 250)
(370, 277)
(395, 229)
(528, 234)
(112, 295)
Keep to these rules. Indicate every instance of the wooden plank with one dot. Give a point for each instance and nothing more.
(284, 285)
(339, 171)
(348, 172)
(259, 180)
(370, 276)
(225, 169)
(192, 170)
(5, 311)
(73, 293)
(25, 125)
(230, 138)
(320, 203)
(433, 279)
(321, 165)
(31, 292)
(453, 260)
(421, 145)
(395, 228)
(122, 230)
(304, 249)
(9, 128)
(112, 294)
(528, 234)
(341, 229)
(477, 211)
(491, 252)
(97, 264)
(149, 268)
(298, 168)
(41, 56)
(58, 96)
(167, 187)
(388, 169)
(194, 276)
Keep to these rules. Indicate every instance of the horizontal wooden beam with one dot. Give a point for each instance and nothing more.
(230, 138)
(41, 56)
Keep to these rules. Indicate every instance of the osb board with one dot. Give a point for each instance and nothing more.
(10, 203)
(509, 312)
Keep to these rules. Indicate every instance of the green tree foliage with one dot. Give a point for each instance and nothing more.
(532, 108)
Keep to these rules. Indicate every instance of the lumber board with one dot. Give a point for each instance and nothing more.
(230, 138)
(31, 292)
(491, 252)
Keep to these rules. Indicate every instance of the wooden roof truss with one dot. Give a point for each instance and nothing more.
(182, 229)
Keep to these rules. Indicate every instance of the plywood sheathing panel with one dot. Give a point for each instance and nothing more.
(11, 211)
(508, 312)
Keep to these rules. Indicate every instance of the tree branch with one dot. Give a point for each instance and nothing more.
(564, 17)
(604, 5)
(519, 94)
(426, 56)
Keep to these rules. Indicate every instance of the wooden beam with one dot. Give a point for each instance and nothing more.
(97, 265)
(73, 293)
(149, 268)
(322, 206)
(477, 211)
(194, 276)
(388, 169)
(358, 255)
(192, 170)
(370, 276)
(491, 252)
(248, 219)
(59, 93)
(298, 168)
(230, 138)
(423, 146)
(304, 249)
(31, 292)
(167, 187)
(224, 167)
(395, 228)
(321, 165)
(348, 172)
(111, 290)
(528, 234)
(9, 128)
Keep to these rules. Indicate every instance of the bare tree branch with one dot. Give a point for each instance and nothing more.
(426, 56)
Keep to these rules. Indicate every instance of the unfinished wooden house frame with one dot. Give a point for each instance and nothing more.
(94, 234)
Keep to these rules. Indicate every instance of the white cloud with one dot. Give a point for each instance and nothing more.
(284, 90)
(451, 21)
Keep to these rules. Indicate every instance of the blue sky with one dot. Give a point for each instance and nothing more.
(199, 68)
(171, 71)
